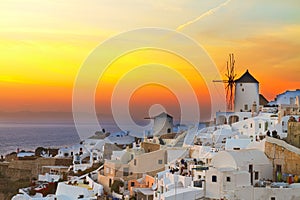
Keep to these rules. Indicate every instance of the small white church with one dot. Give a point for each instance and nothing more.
(246, 100)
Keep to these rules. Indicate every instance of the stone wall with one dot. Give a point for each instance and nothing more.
(3, 169)
(150, 147)
(293, 136)
(262, 193)
(284, 154)
(27, 169)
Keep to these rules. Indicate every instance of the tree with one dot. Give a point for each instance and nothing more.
(116, 186)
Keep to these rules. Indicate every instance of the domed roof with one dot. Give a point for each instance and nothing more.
(246, 78)
(239, 159)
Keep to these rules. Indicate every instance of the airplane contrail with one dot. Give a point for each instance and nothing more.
(207, 13)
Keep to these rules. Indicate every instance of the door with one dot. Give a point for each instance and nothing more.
(251, 173)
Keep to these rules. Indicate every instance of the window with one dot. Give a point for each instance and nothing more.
(199, 176)
(278, 168)
(273, 198)
(228, 179)
(132, 184)
(241, 84)
(267, 125)
(198, 184)
(107, 170)
(159, 162)
(109, 182)
(259, 125)
(245, 107)
(256, 175)
(282, 123)
(236, 148)
(134, 161)
(250, 168)
(126, 171)
(251, 125)
(243, 90)
(214, 178)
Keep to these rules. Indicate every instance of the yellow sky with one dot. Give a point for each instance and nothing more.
(44, 43)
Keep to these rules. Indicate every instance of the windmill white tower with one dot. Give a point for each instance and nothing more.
(246, 93)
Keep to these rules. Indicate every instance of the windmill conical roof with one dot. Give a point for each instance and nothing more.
(246, 78)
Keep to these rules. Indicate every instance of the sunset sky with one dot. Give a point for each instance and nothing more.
(43, 44)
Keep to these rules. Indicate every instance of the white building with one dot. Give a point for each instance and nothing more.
(88, 190)
(284, 122)
(288, 97)
(83, 187)
(163, 123)
(231, 117)
(203, 153)
(173, 186)
(71, 151)
(215, 136)
(234, 169)
(246, 94)
(255, 127)
(237, 144)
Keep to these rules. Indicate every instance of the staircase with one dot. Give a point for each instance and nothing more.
(190, 136)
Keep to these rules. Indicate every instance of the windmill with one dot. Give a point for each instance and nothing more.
(229, 81)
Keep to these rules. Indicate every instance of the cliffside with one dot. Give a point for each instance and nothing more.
(19, 173)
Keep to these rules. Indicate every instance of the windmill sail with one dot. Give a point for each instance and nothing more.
(229, 81)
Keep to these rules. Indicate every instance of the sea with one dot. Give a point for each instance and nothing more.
(29, 136)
